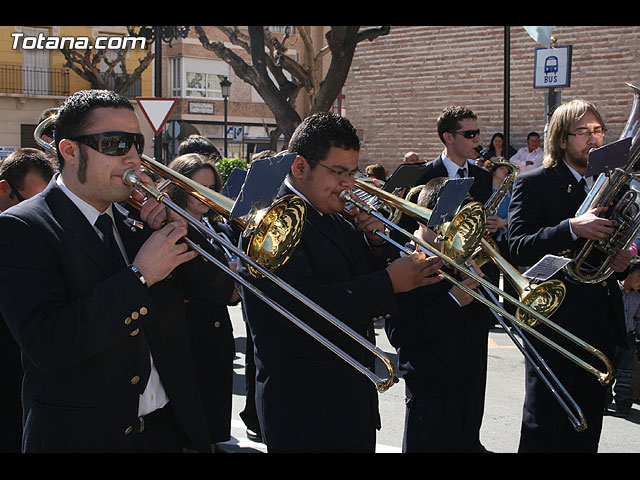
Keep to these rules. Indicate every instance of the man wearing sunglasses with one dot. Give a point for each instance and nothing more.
(458, 131)
(103, 334)
(542, 220)
(23, 174)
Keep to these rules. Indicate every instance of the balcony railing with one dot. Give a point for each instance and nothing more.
(47, 81)
(34, 80)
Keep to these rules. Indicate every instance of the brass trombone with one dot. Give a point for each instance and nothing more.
(544, 299)
(471, 243)
(421, 213)
(268, 249)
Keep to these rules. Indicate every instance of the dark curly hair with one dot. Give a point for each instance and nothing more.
(317, 133)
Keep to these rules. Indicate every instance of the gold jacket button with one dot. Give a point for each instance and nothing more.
(135, 379)
(135, 315)
(128, 430)
(135, 332)
(604, 283)
(143, 310)
(127, 320)
(216, 324)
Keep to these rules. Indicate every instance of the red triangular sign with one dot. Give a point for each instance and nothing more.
(157, 110)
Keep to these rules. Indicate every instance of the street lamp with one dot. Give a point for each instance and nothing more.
(225, 85)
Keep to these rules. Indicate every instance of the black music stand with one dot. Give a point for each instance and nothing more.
(234, 183)
(406, 175)
(261, 184)
(450, 197)
(608, 157)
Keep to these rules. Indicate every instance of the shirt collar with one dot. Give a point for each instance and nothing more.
(295, 190)
(578, 177)
(89, 211)
(452, 168)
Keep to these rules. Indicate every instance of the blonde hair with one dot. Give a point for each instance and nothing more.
(558, 129)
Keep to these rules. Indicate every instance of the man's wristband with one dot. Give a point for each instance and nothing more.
(135, 270)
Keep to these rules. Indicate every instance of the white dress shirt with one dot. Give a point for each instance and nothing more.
(523, 156)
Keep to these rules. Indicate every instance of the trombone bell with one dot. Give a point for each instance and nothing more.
(279, 231)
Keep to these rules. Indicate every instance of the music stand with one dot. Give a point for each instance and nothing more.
(234, 183)
(406, 175)
(450, 197)
(608, 157)
(261, 184)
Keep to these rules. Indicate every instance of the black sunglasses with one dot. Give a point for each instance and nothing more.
(468, 133)
(114, 144)
(15, 192)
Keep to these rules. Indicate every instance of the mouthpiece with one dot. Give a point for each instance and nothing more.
(129, 177)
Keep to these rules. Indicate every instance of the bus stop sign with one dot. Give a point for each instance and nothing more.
(553, 67)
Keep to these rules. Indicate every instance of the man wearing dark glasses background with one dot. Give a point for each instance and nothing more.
(23, 174)
(99, 311)
(458, 130)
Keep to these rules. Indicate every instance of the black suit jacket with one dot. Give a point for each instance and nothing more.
(437, 341)
(542, 203)
(482, 187)
(308, 399)
(76, 319)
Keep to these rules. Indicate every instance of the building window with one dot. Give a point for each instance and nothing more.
(339, 105)
(281, 29)
(176, 77)
(197, 78)
(203, 85)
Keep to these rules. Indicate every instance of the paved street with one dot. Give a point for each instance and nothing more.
(501, 425)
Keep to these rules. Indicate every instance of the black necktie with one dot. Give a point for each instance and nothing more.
(582, 191)
(462, 173)
(105, 225)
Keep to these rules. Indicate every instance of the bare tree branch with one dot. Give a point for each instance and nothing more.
(279, 78)
(86, 64)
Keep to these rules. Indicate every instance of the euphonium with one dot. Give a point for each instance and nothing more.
(618, 189)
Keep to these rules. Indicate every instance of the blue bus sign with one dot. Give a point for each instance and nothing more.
(553, 67)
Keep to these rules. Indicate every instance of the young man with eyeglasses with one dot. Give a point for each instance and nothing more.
(103, 335)
(308, 399)
(543, 221)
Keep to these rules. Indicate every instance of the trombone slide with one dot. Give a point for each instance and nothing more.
(381, 384)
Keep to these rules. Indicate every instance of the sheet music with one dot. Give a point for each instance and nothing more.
(546, 268)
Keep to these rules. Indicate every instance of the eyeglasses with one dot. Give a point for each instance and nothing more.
(340, 173)
(598, 132)
(468, 133)
(115, 144)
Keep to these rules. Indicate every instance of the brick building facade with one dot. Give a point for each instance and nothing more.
(399, 83)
